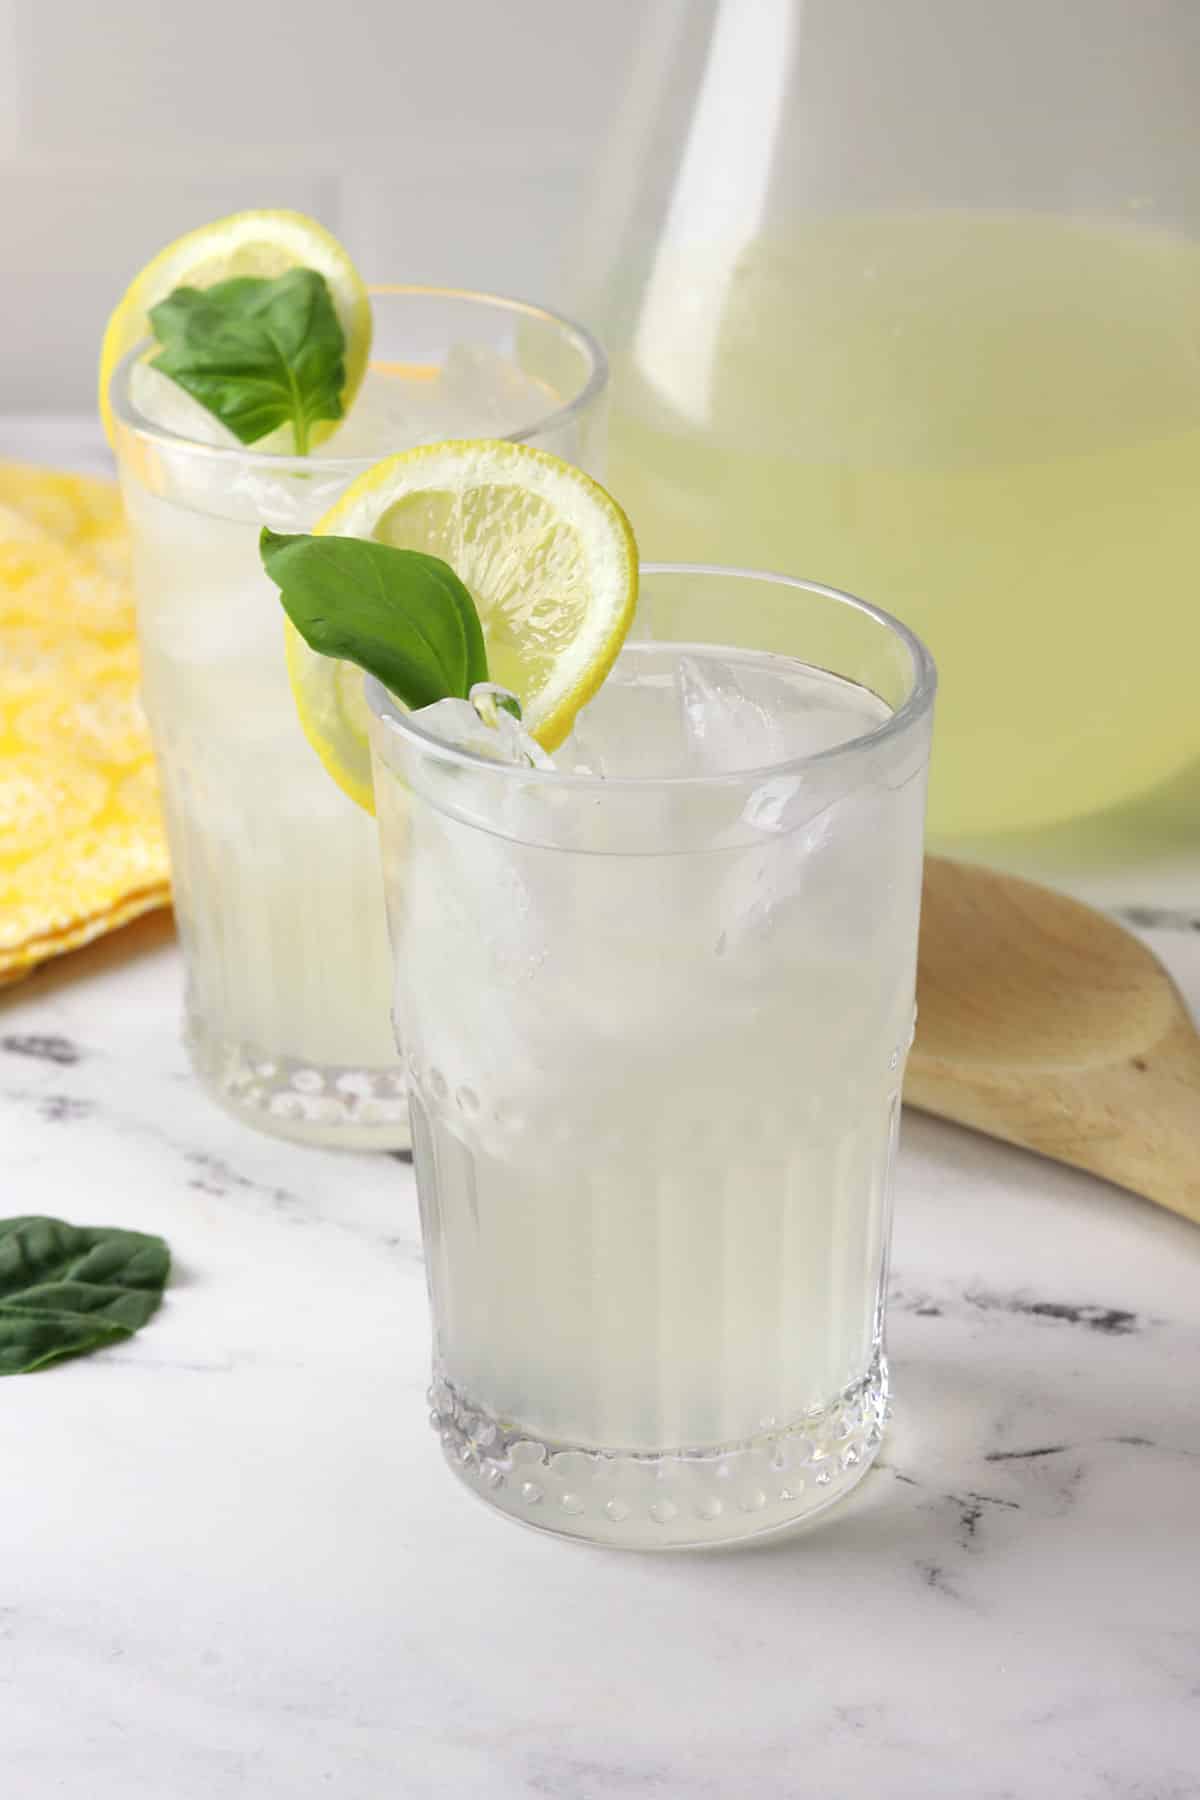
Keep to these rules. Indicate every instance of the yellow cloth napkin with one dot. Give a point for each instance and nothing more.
(81, 840)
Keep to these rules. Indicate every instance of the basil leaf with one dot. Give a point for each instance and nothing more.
(67, 1289)
(403, 616)
(257, 353)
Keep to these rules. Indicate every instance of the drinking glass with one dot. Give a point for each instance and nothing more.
(655, 1004)
(275, 872)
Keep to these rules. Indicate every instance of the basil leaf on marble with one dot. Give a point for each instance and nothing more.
(401, 615)
(257, 352)
(68, 1289)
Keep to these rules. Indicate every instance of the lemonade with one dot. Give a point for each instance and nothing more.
(655, 1086)
(275, 872)
(273, 869)
(656, 994)
(990, 425)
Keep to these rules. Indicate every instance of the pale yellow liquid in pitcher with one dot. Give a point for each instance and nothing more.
(988, 425)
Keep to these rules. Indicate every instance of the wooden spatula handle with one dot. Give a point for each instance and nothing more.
(1137, 1125)
(1045, 1023)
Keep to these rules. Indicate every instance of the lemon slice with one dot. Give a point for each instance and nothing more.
(550, 562)
(247, 243)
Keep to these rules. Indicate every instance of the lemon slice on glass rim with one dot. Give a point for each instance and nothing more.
(550, 562)
(263, 244)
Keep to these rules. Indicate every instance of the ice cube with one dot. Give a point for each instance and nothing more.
(391, 411)
(750, 713)
(172, 408)
(483, 386)
(581, 752)
(728, 727)
(631, 727)
(483, 727)
(476, 393)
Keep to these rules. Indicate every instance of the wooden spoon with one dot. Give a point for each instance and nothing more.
(1044, 1023)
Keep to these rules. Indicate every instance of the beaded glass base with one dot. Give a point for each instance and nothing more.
(361, 1109)
(673, 1499)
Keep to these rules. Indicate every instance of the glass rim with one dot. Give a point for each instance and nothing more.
(916, 705)
(144, 427)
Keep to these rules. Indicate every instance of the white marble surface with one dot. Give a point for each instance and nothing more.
(234, 1564)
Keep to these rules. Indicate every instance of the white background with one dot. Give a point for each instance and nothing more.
(442, 142)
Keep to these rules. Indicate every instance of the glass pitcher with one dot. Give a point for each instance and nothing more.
(905, 298)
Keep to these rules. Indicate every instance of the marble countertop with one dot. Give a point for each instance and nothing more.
(235, 1565)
